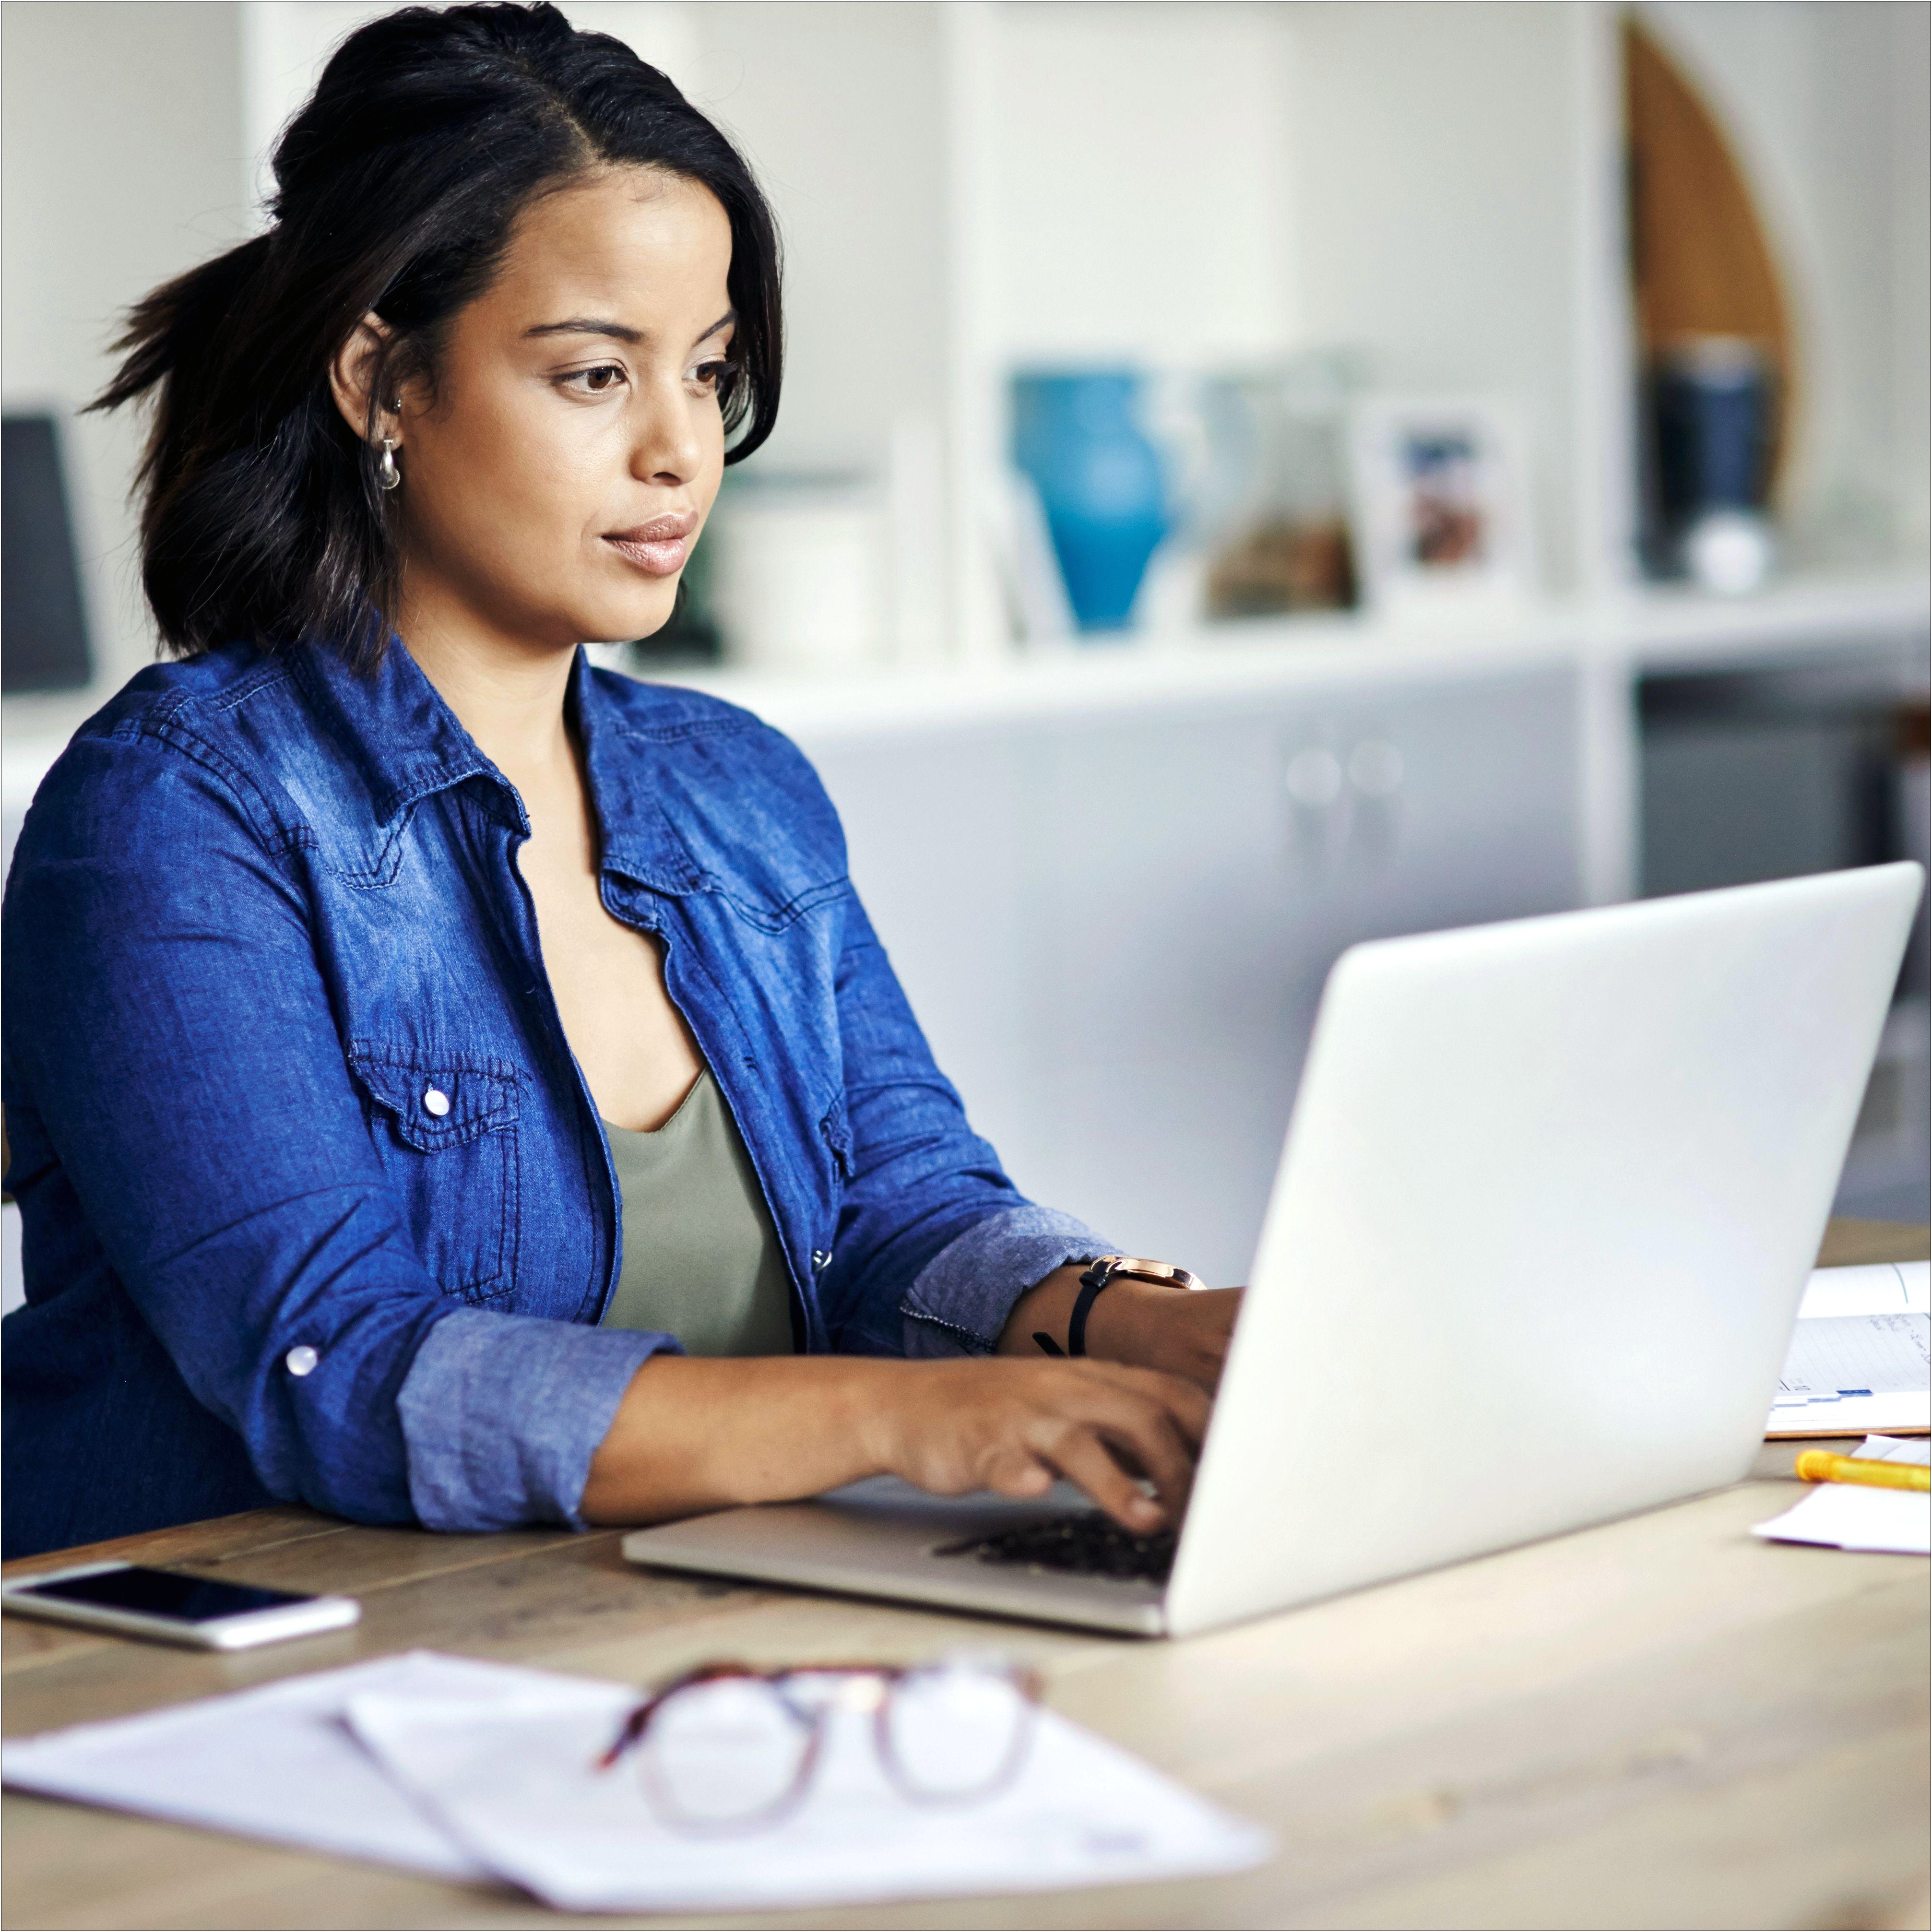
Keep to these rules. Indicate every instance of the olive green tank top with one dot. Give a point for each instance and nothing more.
(702, 1260)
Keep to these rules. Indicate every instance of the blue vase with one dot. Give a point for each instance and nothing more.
(1075, 434)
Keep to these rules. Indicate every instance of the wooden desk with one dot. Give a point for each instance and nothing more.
(1659, 1722)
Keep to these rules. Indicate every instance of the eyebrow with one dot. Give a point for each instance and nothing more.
(587, 324)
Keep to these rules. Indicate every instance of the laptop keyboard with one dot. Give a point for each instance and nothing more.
(1084, 1544)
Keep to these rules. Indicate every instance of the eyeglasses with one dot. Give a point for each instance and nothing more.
(727, 1748)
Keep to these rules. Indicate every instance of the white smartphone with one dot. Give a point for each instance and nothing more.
(200, 1611)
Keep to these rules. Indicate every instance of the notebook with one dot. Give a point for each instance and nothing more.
(1860, 1355)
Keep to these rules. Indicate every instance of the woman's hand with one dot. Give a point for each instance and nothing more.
(692, 1434)
(1012, 1426)
(1180, 1332)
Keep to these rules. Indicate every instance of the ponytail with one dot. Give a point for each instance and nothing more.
(255, 521)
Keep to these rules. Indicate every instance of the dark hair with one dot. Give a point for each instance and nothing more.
(396, 187)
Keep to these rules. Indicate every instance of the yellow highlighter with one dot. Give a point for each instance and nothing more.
(1820, 1465)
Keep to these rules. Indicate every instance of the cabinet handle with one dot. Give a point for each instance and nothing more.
(1314, 777)
(1375, 768)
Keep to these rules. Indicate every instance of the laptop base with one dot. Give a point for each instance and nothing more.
(879, 1537)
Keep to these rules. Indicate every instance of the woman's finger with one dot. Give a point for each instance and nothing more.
(1186, 1402)
(1147, 1438)
(1011, 1471)
(1143, 1419)
(1076, 1450)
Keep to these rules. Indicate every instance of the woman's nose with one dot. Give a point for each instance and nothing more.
(667, 450)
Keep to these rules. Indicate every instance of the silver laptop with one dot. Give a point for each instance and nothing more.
(1548, 1200)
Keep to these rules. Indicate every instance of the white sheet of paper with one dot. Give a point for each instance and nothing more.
(275, 1762)
(1834, 1515)
(517, 1784)
(1842, 1516)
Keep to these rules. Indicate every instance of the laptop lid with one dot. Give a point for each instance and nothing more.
(1548, 1201)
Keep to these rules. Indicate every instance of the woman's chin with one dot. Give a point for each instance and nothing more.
(618, 620)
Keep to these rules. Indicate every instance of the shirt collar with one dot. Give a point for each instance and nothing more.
(410, 744)
(636, 837)
(407, 740)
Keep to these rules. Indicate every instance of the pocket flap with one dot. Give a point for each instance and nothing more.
(435, 1100)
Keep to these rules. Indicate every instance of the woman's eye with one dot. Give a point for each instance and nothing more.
(706, 377)
(598, 382)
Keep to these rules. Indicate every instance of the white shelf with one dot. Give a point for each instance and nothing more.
(1265, 656)
(1662, 628)
(1624, 635)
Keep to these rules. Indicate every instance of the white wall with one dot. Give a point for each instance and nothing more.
(841, 107)
(121, 164)
(1138, 172)
(1433, 149)
(1910, 179)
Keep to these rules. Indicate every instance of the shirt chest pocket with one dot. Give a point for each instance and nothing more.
(445, 1127)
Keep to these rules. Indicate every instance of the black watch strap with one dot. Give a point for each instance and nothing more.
(1096, 1277)
(1092, 1283)
(1104, 1270)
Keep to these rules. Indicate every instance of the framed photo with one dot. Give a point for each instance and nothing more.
(1440, 491)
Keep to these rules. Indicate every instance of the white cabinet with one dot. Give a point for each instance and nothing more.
(1114, 925)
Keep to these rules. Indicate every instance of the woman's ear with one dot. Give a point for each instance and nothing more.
(352, 371)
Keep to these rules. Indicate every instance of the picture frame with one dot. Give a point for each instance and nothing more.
(1440, 506)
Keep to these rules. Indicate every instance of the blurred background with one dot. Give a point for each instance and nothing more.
(1253, 475)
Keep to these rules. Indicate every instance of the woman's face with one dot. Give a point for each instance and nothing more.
(554, 485)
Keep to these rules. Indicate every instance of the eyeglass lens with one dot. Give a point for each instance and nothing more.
(738, 1752)
(726, 1753)
(952, 1735)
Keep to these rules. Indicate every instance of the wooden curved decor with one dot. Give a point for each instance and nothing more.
(1700, 263)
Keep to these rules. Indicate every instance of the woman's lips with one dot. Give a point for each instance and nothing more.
(658, 548)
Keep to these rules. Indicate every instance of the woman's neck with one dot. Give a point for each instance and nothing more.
(508, 694)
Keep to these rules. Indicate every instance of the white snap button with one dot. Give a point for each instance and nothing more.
(437, 1102)
(301, 1360)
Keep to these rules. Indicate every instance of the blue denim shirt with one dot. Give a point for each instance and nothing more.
(264, 919)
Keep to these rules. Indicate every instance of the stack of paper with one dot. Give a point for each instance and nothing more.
(472, 1770)
(1845, 1516)
(1861, 1356)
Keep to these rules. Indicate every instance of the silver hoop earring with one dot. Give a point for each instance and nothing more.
(388, 476)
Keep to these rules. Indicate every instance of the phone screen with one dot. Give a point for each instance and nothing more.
(162, 1593)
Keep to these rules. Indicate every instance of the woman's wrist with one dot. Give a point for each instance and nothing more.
(1127, 1321)
(1141, 1324)
(1046, 1309)
(1123, 1321)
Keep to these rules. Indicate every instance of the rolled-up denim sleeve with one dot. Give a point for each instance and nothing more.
(962, 1297)
(935, 1244)
(502, 1413)
(167, 1015)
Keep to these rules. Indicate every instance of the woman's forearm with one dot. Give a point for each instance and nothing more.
(691, 1434)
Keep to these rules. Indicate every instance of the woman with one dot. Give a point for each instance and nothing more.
(446, 1083)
